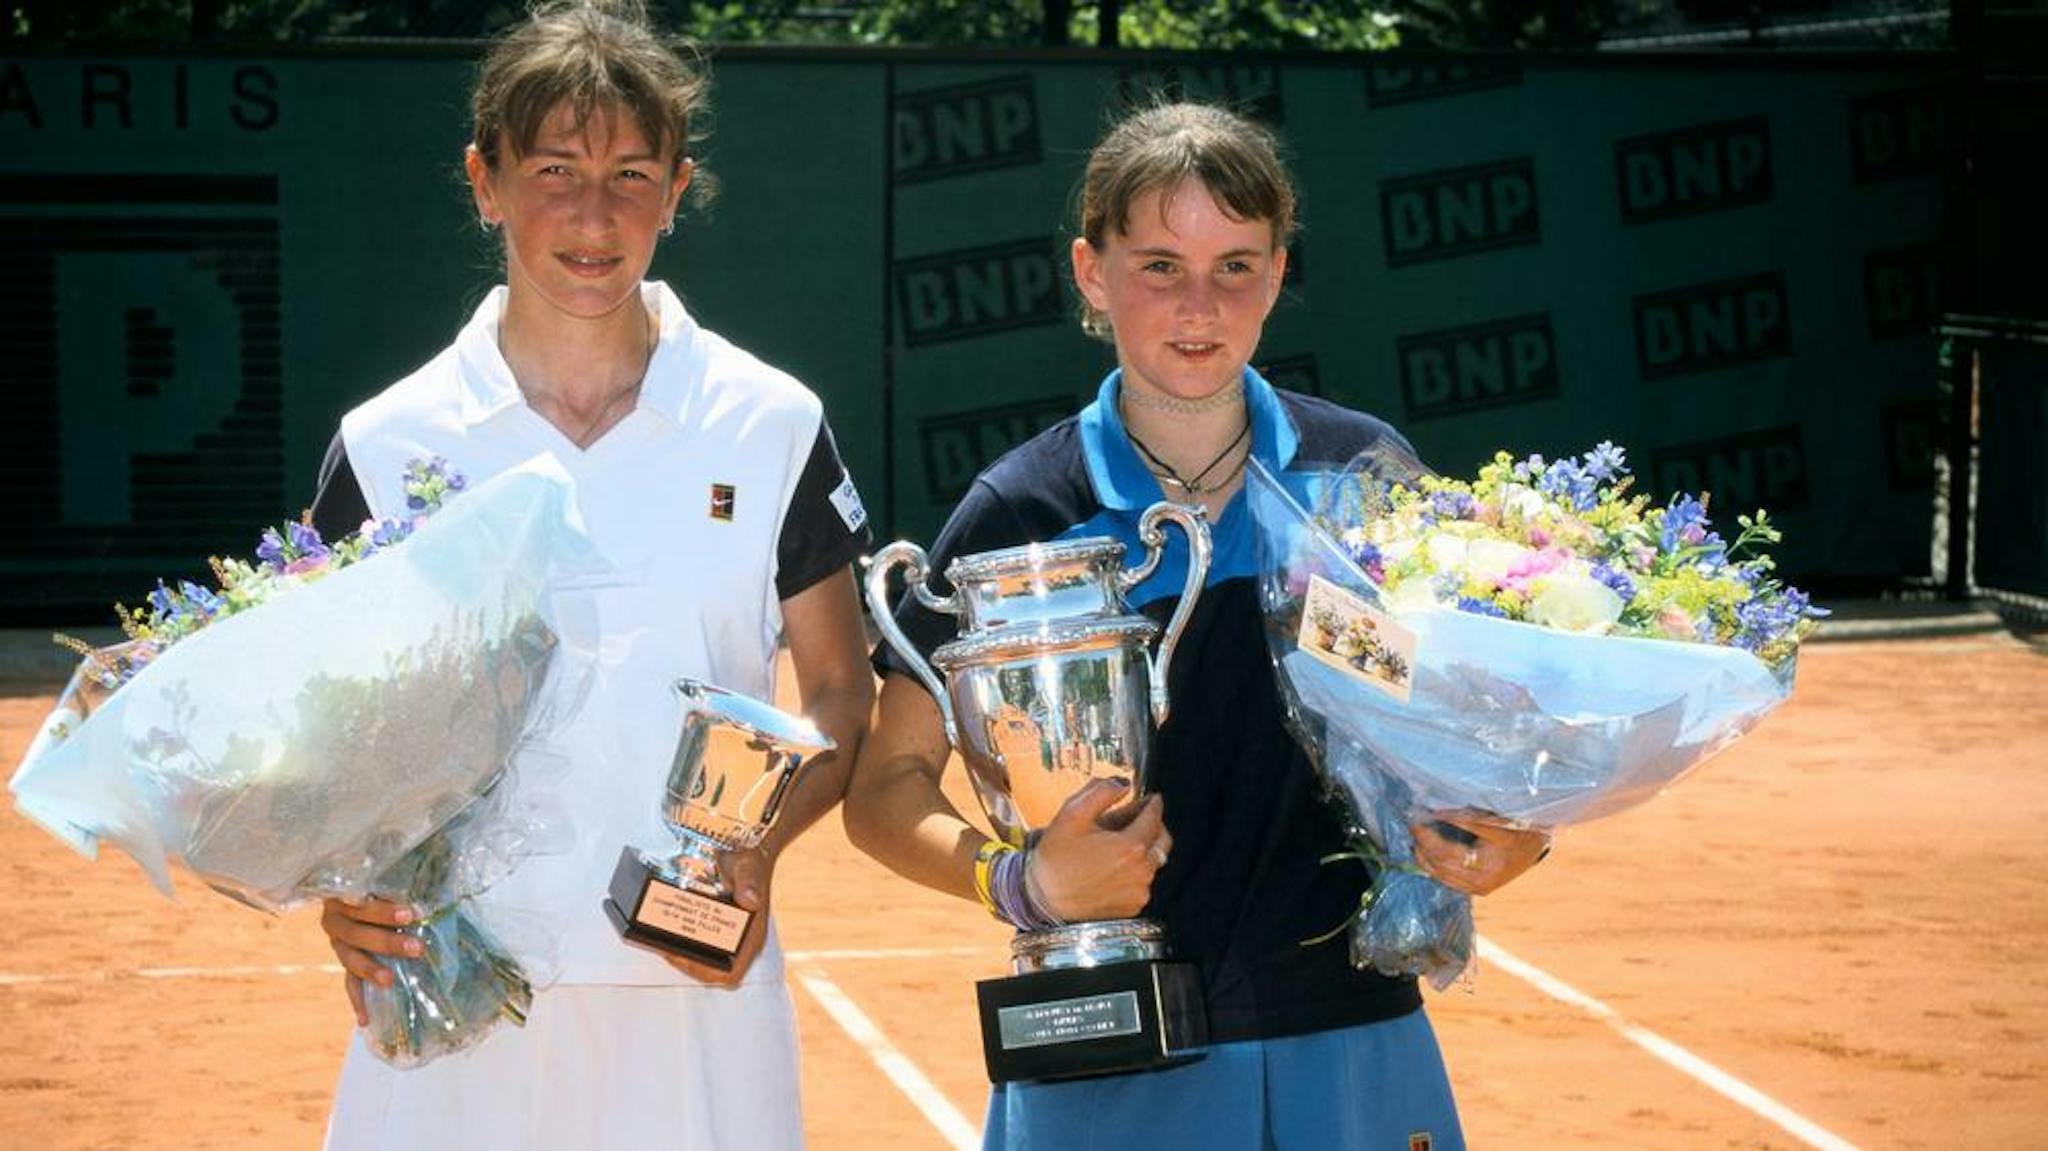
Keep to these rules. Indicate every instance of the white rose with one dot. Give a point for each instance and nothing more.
(1575, 603)
(1410, 596)
(1446, 552)
(1516, 499)
(1490, 559)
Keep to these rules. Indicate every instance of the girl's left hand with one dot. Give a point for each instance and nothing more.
(1474, 852)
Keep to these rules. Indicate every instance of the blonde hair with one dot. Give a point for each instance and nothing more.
(590, 56)
(1160, 147)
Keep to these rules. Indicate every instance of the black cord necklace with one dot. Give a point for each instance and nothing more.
(1194, 485)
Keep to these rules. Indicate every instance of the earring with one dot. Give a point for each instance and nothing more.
(669, 229)
(486, 223)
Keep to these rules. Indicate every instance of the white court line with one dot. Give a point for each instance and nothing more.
(25, 979)
(887, 953)
(19, 979)
(1794, 1124)
(938, 1110)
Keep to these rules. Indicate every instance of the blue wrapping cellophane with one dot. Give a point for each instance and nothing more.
(1539, 727)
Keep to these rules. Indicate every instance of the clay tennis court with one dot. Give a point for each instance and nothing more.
(1832, 936)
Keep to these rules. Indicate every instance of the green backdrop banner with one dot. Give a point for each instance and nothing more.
(1729, 269)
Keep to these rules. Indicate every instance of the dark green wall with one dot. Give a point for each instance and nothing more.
(1727, 268)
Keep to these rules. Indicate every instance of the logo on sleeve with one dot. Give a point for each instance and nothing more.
(722, 502)
(846, 501)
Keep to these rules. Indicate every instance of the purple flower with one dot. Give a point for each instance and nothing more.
(1369, 560)
(162, 601)
(1478, 606)
(305, 540)
(457, 481)
(272, 550)
(1453, 505)
(388, 532)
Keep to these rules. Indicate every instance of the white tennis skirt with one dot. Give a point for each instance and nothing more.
(596, 1066)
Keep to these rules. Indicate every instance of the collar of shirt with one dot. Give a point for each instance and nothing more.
(488, 387)
(1121, 479)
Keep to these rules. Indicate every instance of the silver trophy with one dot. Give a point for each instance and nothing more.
(735, 760)
(1051, 685)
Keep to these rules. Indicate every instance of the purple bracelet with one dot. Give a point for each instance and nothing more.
(1015, 902)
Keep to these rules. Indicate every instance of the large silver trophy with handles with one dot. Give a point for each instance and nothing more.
(735, 760)
(1050, 685)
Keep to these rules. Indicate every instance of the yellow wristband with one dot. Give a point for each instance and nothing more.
(984, 868)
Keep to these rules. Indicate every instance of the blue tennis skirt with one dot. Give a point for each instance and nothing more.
(1374, 1086)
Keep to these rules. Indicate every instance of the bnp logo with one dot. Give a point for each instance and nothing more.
(1388, 83)
(1704, 168)
(1437, 215)
(1710, 326)
(1902, 291)
(1903, 133)
(1765, 469)
(1488, 365)
(958, 445)
(977, 291)
(944, 132)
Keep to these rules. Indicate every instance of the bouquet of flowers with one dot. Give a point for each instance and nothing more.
(1538, 644)
(360, 717)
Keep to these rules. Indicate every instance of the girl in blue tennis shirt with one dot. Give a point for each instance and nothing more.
(1186, 212)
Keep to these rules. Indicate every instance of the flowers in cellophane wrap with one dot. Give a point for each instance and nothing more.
(1537, 645)
(321, 725)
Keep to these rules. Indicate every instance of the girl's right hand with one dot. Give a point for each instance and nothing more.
(360, 930)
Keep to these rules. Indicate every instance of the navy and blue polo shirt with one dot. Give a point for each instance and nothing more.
(1244, 886)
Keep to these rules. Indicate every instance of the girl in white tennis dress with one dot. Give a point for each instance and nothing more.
(710, 483)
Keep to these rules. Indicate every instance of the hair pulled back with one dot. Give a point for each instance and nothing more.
(589, 56)
(1158, 148)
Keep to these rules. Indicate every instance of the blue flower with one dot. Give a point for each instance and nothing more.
(1478, 606)
(163, 601)
(1616, 580)
(1606, 462)
(388, 532)
(1685, 526)
(200, 599)
(1575, 485)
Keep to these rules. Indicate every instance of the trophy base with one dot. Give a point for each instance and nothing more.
(655, 911)
(1080, 1021)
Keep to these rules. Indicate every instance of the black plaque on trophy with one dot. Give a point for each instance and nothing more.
(1137, 1015)
(656, 911)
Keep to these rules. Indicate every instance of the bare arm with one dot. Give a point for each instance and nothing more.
(828, 648)
(1091, 862)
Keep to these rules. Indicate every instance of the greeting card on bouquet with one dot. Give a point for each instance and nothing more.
(1342, 630)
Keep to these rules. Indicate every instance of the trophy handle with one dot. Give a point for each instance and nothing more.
(1194, 521)
(915, 563)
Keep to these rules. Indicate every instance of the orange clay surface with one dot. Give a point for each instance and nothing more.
(1847, 913)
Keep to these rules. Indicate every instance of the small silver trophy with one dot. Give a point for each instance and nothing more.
(735, 760)
(1048, 687)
